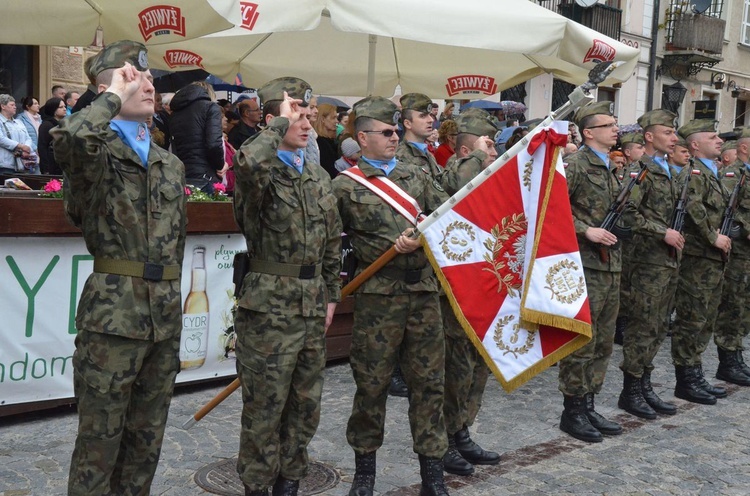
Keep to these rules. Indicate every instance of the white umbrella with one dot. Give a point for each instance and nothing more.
(75, 22)
(443, 48)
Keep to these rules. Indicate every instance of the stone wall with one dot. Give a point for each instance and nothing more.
(66, 68)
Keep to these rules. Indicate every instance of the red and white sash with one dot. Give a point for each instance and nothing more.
(389, 192)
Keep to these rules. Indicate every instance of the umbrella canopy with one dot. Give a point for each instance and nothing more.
(75, 22)
(340, 105)
(483, 104)
(513, 108)
(351, 47)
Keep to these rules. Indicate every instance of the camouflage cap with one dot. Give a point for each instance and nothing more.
(87, 69)
(477, 122)
(418, 102)
(595, 108)
(681, 142)
(632, 138)
(116, 54)
(658, 117)
(729, 145)
(378, 108)
(743, 132)
(698, 126)
(295, 87)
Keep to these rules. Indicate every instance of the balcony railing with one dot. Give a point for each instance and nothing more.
(696, 32)
(605, 17)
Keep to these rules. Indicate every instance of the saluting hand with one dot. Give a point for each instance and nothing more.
(126, 81)
(289, 108)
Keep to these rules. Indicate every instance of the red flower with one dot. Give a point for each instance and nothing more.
(53, 186)
(187, 191)
(218, 187)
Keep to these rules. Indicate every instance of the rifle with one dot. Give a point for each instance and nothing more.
(728, 227)
(615, 209)
(680, 209)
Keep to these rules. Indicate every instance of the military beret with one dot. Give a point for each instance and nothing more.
(378, 108)
(116, 54)
(477, 122)
(295, 87)
(418, 102)
(681, 142)
(743, 132)
(729, 145)
(698, 126)
(632, 138)
(658, 117)
(595, 108)
(87, 69)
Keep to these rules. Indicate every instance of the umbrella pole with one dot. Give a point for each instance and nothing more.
(371, 65)
(346, 291)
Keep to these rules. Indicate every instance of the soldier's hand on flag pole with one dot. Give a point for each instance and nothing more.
(405, 243)
(600, 236)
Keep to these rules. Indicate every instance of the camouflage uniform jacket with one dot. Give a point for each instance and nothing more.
(707, 200)
(459, 171)
(740, 246)
(286, 217)
(373, 226)
(592, 188)
(407, 153)
(126, 212)
(649, 213)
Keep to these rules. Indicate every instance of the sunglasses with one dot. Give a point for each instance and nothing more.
(609, 126)
(386, 132)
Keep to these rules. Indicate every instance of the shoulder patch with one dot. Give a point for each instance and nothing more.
(729, 174)
(633, 174)
(696, 172)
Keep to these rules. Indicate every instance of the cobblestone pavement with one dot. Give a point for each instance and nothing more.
(701, 450)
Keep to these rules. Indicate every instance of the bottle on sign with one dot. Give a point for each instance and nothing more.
(194, 338)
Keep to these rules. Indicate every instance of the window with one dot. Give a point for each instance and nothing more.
(745, 35)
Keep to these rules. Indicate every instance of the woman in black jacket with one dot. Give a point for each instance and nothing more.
(52, 111)
(195, 125)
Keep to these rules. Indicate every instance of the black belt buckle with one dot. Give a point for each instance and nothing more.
(307, 272)
(152, 271)
(412, 276)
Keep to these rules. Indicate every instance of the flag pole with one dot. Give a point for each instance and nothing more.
(577, 98)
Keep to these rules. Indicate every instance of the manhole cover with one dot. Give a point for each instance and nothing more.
(222, 478)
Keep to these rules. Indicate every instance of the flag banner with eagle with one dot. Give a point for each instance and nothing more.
(507, 256)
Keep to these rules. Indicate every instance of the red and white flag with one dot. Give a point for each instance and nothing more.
(506, 254)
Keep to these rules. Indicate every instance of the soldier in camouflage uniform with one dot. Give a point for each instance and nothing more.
(285, 208)
(127, 195)
(466, 373)
(397, 311)
(633, 149)
(653, 266)
(733, 321)
(680, 157)
(592, 188)
(701, 268)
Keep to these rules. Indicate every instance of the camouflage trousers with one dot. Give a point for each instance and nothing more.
(583, 371)
(123, 388)
(407, 328)
(280, 362)
(652, 291)
(733, 320)
(697, 303)
(466, 374)
(625, 275)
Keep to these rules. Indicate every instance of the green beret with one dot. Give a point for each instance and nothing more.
(115, 55)
(729, 145)
(295, 87)
(681, 142)
(632, 138)
(477, 122)
(743, 132)
(378, 108)
(698, 126)
(659, 117)
(595, 108)
(418, 102)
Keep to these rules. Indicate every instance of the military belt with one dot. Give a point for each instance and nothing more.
(409, 276)
(145, 270)
(285, 269)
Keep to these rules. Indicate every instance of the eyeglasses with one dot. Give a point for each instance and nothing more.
(385, 132)
(608, 126)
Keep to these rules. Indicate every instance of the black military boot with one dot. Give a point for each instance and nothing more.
(741, 361)
(472, 452)
(453, 462)
(729, 368)
(398, 386)
(364, 475)
(575, 422)
(716, 391)
(431, 470)
(257, 492)
(632, 400)
(606, 427)
(285, 487)
(688, 388)
(652, 399)
(620, 325)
